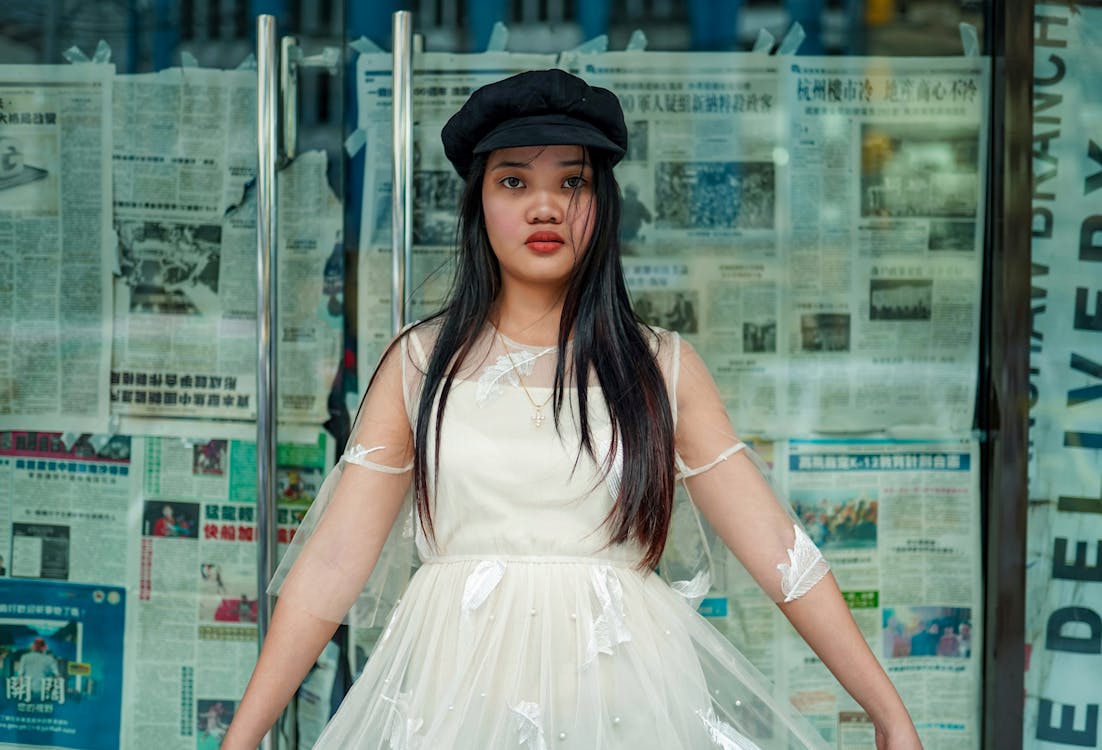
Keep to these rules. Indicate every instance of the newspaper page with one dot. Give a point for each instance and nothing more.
(193, 574)
(441, 83)
(64, 502)
(886, 199)
(56, 246)
(1063, 681)
(899, 522)
(185, 214)
(700, 232)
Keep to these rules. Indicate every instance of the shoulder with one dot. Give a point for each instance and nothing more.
(662, 342)
(674, 354)
(417, 340)
(404, 360)
(687, 376)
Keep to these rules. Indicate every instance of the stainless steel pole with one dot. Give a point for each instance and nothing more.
(267, 121)
(402, 178)
(288, 86)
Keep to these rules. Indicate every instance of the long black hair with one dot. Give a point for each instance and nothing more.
(609, 341)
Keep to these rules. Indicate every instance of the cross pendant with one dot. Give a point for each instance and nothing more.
(537, 418)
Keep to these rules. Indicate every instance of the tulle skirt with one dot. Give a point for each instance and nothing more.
(550, 653)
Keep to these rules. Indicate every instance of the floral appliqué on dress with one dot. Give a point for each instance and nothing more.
(506, 368)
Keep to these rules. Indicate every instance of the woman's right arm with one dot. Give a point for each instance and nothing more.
(338, 557)
(329, 574)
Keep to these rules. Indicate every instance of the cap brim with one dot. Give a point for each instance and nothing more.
(546, 130)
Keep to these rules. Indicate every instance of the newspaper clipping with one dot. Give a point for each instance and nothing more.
(1064, 578)
(185, 214)
(192, 637)
(56, 248)
(884, 242)
(899, 523)
(64, 499)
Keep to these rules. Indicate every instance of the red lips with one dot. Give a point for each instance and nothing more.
(544, 242)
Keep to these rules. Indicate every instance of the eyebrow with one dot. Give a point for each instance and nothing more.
(528, 165)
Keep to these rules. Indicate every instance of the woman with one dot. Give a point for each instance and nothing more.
(541, 428)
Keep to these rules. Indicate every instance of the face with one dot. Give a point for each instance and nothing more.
(539, 210)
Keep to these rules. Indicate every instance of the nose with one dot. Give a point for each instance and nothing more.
(545, 208)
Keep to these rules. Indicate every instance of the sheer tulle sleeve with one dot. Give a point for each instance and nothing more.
(724, 481)
(356, 541)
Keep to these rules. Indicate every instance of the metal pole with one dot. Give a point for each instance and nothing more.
(288, 85)
(402, 178)
(267, 120)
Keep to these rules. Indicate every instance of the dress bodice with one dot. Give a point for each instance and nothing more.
(507, 487)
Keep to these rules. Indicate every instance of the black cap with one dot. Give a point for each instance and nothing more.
(537, 108)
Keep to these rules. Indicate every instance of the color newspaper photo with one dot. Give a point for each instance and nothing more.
(61, 657)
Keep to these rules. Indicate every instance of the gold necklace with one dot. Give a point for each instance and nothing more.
(537, 417)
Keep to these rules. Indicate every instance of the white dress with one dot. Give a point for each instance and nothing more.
(522, 628)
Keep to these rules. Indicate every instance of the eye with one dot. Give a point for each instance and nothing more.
(574, 182)
(511, 182)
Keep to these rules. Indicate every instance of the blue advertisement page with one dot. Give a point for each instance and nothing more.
(61, 649)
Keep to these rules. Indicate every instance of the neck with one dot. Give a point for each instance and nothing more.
(528, 316)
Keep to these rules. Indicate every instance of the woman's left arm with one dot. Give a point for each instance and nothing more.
(823, 620)
(744, 512)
